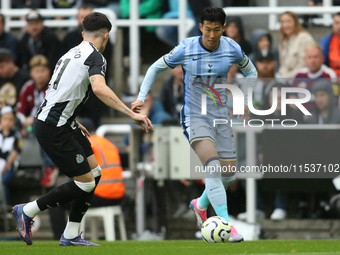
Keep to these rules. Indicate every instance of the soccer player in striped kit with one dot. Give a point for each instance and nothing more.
(64, 140)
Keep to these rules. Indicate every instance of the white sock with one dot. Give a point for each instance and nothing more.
(31, 209)
(200, 207)
(72, 230)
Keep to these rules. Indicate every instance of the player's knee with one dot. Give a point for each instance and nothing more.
(86, 186)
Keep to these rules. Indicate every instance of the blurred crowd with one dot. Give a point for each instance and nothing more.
(298, 60)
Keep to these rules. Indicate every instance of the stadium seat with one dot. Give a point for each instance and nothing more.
(107, 213)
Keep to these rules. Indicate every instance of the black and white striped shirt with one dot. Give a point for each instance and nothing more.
(69, 87)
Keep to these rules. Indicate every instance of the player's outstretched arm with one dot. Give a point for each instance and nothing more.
(150, 77)
(108, 97)
(250, 72)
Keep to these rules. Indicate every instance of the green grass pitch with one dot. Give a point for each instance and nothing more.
(268, 247)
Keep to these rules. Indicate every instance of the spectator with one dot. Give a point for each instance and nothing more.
(12, 78)
(330, 46)
(33, 92)
(265, 65)
(56, 4)
(31, 4)
(325, 111)
(314, 70)
(10, 147)
(38, 40)
(262, 41)
(8, 40)
(293, 42)
(235, 31)
(73, 39)
(169, 34)
(31, 97)
(171, 93)
(110, 190)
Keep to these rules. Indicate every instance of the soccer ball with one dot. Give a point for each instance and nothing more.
(216, 230)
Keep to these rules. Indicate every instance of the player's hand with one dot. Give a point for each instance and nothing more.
(141, 119)
(86, 132)
(136, 106)
(245, 116)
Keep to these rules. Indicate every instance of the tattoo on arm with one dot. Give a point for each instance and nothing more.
(114, 100)
(93, 79)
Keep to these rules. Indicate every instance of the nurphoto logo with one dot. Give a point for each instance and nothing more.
(238, 104)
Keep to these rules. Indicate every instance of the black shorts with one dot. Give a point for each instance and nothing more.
(68, 148)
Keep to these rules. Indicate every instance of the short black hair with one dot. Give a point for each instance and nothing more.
(336, 14)
(95, 22)
(213, 14)
(5, 55)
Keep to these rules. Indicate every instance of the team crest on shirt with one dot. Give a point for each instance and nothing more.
(172, 52)
(79, 158)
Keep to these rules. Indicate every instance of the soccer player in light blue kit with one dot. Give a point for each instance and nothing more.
(206, 61)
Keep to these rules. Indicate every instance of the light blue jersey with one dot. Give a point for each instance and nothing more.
(202, 69)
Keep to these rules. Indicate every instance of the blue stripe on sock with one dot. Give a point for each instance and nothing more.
(210, 160)
(228, 175)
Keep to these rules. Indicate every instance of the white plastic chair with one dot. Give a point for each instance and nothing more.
(107, 213)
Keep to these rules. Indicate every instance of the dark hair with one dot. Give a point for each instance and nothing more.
(5, 55)
(2, 17)
(95, 22)
(213, 14)
(336, 14)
